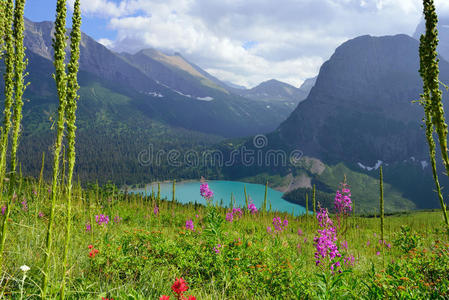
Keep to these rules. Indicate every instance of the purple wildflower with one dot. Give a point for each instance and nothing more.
(41, 214)
(217, 248)
(117, 219)
(279, 225)
(3, 210)
(251, 207)
(300, 232)
(205, 191)
(326, 241)
(102, 219)
(88, 227)
(156, 210)
(229, 217)
(189, 225)
(24, 205)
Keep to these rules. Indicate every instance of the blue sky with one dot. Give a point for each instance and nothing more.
(242, 41)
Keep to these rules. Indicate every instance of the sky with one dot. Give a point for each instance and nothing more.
(244, 42)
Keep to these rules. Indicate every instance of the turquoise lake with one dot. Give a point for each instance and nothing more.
(189, 191)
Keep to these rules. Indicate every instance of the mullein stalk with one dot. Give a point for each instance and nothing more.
(381, 204)
(174, 190)
(19, 80)
(314, 201)
(59, 45)
(431, 97)
(72, 97)
(307, 206)
(265, 198)
(2, 26)
(158, 192)
(246, 197)
(9, 90)
(9, 87)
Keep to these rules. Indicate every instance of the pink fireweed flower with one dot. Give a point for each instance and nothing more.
(344, 244)
(156, 210)
(326, 241)
(229, 217)
(88, 227)
(102, 219)
(217, 248)
(206, 192)
(237, 212)
(251, 207)
(189, 225)
(41, 214)
(279, 225)
(24, 205)
(269, 229)
(300, 232)
(3, 210)
(117, 219)
(378, 253)
(349, 260)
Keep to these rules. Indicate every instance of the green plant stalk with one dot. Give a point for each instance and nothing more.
(307, 205)
(314, 200)
(265, 198)
(158, 192)
(2, 26)
(381, 204)
(20, 86)
(9, 90)
(72, 97)
(431, 97)
(174, 190)
(59, 45)
(246, 197)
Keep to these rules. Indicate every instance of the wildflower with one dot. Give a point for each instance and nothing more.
(378, 253)
(3, 210)
(368, 243)
(88, 227)
(191, 298)
(117, 219)
(205, 191)
(268, 229)
(102, 219)
(24, 268)
(189, 225)
(325, 242)
(24, 205)
(34, 192)
(300, 232)
(217, 248)
(156, 210)
(349, 260)
(164, 297)
(279, 225)
(41, 214)
(179, 286)
(90, 246)
(229, 217)
(251, 207)
(344, 244)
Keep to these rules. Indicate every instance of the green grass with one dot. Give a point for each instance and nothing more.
(140, 256)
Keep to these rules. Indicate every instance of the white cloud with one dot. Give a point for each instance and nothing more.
(292, 37)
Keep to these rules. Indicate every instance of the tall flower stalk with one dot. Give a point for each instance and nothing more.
(431, 97)
(9, 90)
(19, 81)
(72, 97)
(381, 204)
(59, 45)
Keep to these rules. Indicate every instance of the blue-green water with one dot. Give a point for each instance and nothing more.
(190, 192)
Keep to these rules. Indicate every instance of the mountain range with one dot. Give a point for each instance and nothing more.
(356, 115)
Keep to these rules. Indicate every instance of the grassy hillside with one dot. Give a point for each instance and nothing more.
(138, 254)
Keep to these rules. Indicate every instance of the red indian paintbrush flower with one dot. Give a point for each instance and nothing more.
(179, 286)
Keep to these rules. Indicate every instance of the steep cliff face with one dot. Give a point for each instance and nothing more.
(360, 109)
